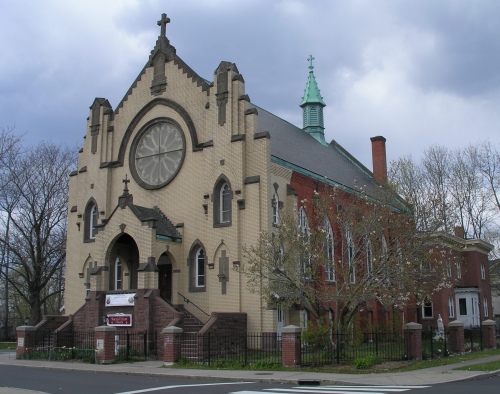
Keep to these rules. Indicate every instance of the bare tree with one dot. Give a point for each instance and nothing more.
(34, 204)
(376, 256)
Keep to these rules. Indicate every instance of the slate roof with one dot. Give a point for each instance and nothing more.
(296, 149)
(164, 226)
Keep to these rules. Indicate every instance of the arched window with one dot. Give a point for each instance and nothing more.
(276, 203)
(118, 274)
(90, 221)
(369, 259)
(305, 262)
(197, 268)
(200, 268)
(350, 256)
(222, 197)
(451, 306)
(329, 253)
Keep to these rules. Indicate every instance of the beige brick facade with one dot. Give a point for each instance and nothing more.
(212, 150)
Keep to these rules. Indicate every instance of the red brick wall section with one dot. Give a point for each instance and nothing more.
(290, 345)
(25, 339)
(456, 337)
(226, 321)
(105, 344)
(171, 344)
(489, 334)
(413, 341)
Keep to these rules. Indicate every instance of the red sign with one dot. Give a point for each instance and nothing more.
(120, 319)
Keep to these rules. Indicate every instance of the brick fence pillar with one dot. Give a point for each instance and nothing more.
(489, 334)
(290, 346)
(413, 341)
(25, 340)
(105, 344)
(456, 336)
(171, 344)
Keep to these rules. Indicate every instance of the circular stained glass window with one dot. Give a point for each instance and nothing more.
(158, 154)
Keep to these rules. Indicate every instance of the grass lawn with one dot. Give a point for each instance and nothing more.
(7, 345)
(486, 367)
(396, 366)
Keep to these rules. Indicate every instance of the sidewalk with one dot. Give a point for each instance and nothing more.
(441, 374)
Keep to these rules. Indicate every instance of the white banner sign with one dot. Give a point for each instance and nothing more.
(120, 299)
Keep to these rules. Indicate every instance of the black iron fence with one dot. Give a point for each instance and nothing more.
(62, 346)
(135, 345)
(129, 345)
(341, 348)
(235, 349)
(435, 342)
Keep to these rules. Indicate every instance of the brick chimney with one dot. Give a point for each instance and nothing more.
(459, 232)
(379, 159)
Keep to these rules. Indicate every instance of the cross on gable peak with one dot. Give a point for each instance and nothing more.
(163, 23)
(126, 181)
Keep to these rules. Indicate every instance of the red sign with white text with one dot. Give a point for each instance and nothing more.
(120, 319)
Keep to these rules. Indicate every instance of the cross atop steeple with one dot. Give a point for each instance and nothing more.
(310, 60)
(163, 23)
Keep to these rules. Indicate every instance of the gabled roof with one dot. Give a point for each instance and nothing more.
(164, 226)
(297, 150)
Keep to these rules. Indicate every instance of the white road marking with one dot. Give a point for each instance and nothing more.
(335, 390)
(180, 386)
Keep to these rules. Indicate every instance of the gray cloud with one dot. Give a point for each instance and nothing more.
(418, 72)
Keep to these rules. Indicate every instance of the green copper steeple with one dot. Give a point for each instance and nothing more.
(312, 106)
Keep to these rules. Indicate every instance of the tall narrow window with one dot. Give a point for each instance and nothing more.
(369, 259)
(483, 272)
(448, 268)
(225, 204)
(90, 221)
(459, 270)
(350, 256)
(451, 306)
(276, 203)
(200, 268)
(304, 239)
(197, 267)
(485, 306)
(118, 274)
(329, 253)
(222, 197)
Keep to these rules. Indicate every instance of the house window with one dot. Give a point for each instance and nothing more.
(350, 256)
(90, 221)
(459, 271)
(427, 309)
(485, 306)
(451, 306)
(483, 272)
(329, 253)
(118, 274)
(448, 268)
(197, 268)
(276, 203)
(304, 238)
(222, 197)
(462, 306)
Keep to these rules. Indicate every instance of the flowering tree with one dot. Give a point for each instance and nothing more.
(356, 250)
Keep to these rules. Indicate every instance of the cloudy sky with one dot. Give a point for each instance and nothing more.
(419, 72)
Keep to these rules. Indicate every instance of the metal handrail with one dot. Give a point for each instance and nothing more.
(187, 301)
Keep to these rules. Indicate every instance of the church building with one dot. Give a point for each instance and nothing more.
(174, 181)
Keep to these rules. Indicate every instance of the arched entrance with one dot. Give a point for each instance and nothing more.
(123, 264)
(165, 277)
